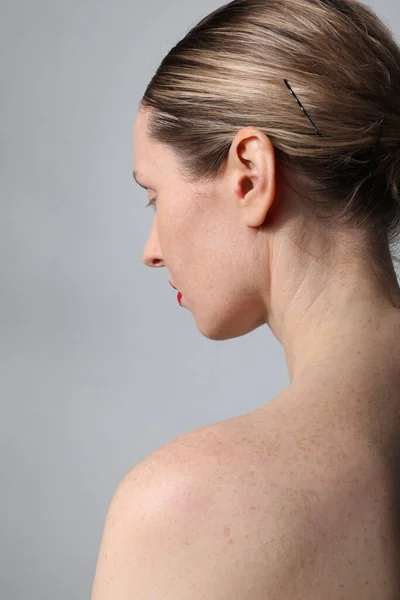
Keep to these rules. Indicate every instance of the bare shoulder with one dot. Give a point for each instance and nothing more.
(158, 535)
(247, 509)
(182, 524)
(188, 460)
(288, 506)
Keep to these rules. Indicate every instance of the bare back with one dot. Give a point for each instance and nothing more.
(307, 503)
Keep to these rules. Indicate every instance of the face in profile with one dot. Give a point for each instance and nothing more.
(199, 234)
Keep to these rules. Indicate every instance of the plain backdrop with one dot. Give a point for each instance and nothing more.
(99, 366)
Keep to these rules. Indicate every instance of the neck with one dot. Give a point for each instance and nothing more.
(328, 310)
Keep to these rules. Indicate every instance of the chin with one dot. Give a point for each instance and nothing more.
(219, 330)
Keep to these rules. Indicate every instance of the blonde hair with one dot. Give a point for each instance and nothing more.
(342, 63)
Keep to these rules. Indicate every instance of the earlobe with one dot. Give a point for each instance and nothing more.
(255, 214)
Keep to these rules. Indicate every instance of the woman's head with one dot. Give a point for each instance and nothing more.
(246, 181)
(208, 233)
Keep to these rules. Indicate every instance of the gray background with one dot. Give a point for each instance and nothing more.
(99, 366)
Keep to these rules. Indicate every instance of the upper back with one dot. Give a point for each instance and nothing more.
(295, 508)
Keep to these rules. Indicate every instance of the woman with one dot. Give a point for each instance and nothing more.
(270, 139)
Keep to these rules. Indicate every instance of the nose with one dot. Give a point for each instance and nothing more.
(152, 256)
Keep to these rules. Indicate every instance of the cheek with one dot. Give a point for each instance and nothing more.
(196, 232)
(178, 218)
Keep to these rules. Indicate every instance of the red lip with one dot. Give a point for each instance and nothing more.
(179, 295)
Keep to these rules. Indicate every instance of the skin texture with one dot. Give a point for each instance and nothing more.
(297, 499)
(261, 275)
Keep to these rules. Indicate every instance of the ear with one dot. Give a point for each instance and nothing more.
(252, 158)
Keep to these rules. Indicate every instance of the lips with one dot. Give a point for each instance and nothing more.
(179, 295)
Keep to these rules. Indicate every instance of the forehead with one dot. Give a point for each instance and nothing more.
(149, 155)
(140, 140)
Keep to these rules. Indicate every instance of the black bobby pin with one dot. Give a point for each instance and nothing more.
(318, 133)
(302, 107)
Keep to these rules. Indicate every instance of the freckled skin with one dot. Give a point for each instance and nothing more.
(298, 499)
(244, 254)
